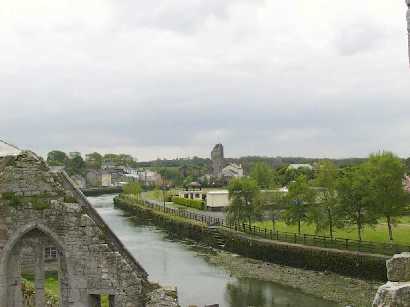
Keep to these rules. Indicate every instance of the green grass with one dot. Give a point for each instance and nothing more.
(105, 301)
(51, 284)
(378, 233)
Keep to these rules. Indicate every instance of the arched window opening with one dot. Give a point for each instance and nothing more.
(36, 272)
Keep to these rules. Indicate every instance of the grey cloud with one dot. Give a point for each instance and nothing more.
(152, 90)
(357, 38)
(184, 16)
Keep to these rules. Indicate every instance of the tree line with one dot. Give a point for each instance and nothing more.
(328, 198)
(77, 165)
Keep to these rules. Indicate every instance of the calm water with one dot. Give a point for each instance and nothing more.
(177, 263)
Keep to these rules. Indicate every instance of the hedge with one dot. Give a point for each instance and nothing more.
(361, 265)
(192, 203)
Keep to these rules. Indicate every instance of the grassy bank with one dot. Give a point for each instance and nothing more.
(378, 233)
(133, 205)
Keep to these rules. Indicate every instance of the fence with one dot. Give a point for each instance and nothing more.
(289, 237)
(321, 241)
(206, 219)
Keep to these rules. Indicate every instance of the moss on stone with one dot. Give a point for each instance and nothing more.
(12, 199)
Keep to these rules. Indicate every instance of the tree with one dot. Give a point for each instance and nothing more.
(75, 166)
(244, 197)
(407, 163)
(277, 201)
(285, 175)
(300, 196)
(56, 158)
(133, 188)
(326, 179)
(94, 160)
(120, 160)
(263, 175)
(354, 199)
(388, 196)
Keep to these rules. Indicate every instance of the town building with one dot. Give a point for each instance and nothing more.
(97, 178)
(193, 191)
(232, 170)
(145, 177)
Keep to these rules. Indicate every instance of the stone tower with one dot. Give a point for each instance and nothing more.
(217, 157)
(45, 221)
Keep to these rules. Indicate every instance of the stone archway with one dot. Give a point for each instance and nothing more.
(27, 250)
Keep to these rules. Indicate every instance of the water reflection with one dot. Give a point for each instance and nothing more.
(170, 261)
(246, 292)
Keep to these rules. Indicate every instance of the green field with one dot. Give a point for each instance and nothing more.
(378, 233)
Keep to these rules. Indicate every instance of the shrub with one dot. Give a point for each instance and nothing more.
(132, 188)
(192, 203)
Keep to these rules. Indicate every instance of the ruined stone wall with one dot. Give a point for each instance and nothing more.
(39, 208)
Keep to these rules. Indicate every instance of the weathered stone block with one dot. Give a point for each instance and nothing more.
(393, 294)
(398, 268)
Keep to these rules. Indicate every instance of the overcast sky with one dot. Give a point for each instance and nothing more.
(170, 78)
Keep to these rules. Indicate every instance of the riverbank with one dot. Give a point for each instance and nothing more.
(345, 291)
(348, 263)
(341, 290)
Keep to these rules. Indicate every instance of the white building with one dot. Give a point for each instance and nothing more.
(96, 178)
(217, 200)
(232, 170)
(297, 166)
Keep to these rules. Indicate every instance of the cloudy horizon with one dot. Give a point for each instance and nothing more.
(171, 78)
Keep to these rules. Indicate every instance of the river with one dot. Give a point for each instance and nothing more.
(178, 263)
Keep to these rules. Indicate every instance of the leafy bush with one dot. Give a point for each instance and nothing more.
(192, 203)
(132, 188)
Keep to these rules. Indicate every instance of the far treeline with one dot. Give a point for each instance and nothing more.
(328, 198)
(77, 165)
(185, 170)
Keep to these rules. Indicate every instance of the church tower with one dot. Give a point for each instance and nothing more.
(217, 157)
